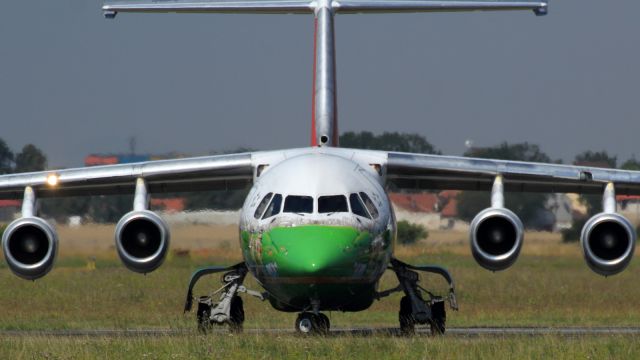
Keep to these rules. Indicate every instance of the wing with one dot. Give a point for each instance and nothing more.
(188, 174)
(420, 171)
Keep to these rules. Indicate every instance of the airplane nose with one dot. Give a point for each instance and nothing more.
(315, 250)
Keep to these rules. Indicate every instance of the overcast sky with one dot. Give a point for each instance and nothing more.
(74, 83)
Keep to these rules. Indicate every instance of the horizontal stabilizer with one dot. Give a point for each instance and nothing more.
(112, 7)
(540, 7)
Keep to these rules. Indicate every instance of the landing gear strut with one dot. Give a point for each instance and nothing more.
(308, 323)
(228, 309)
(414, 309)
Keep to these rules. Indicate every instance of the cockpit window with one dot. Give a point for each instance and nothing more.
(262, 205)
(357, 207)
(274, 207)
(331, 204)
(298, 204)
(369, 204)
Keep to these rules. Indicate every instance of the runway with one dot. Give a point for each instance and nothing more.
(457, 332)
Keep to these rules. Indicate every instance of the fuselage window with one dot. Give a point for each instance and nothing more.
(331, 204)
(357, 207)
(369, 204)
(274, 207)
(298, 204)
(262, 205)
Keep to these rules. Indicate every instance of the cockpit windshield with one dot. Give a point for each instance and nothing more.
(357, 203)
(369, 204)
(274, 207)
(262, 205)
(298, 204)
(331, 204)
(357, 207)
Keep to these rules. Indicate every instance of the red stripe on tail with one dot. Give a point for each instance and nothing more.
(314, 136)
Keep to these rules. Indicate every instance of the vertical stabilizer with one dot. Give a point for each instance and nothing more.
(324, 118)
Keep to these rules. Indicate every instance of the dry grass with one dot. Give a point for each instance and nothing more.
(222, 241)
(201, 240)
(536, 243)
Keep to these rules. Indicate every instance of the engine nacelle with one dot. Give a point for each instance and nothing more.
(608, 242)
(142, 240)
(496, 238)
(30, 245)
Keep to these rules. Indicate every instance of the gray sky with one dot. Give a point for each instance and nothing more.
(74, 83)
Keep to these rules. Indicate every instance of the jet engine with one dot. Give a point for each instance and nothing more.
(30, 245)
(142, 240)
(496, 238)
(608, 242)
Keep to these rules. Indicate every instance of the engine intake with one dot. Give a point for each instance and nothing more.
(608, 242)
(142, 240)
(30, 245)
(496, 238)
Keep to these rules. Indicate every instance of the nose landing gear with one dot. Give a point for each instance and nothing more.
(308, 323)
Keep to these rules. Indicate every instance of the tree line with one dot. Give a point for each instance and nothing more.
(30, 158)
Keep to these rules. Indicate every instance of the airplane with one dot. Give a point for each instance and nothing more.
(317, 229)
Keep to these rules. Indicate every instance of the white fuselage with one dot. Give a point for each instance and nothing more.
(317, 218)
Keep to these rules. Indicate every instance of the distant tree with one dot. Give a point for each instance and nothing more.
(409, 233)
(60, 208)
(109, 209)
(597, 159)
(593, 202)
(30, 159)
(530, 207)
(516, 152)
(631, 164)
(6, 158)
(216, 200)
(388, 141)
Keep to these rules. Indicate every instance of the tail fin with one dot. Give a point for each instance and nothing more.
(324, 118)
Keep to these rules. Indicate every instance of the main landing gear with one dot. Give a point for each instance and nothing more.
(223, 306)
(414, 309)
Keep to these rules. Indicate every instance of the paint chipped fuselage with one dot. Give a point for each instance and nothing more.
(317, 231)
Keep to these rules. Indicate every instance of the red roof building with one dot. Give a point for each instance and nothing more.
(10, 203)
(170, 204)
(421, 202)
(444, 202)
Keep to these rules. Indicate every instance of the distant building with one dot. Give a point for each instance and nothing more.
(171, 205)
(629, 206)
(9, 209)
(112, 159)
(564, 208)
(431, 210)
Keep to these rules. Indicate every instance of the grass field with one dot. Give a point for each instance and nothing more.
(549, 286)
(293, 347)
